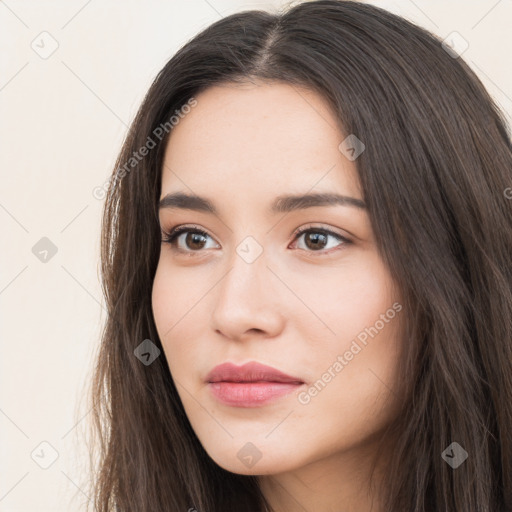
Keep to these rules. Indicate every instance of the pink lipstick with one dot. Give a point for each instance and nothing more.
(249, 385)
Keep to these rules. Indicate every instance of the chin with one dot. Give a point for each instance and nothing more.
(239, 461)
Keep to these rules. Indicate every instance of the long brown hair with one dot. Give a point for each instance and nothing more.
(434, 175)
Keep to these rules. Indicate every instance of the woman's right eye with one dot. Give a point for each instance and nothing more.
(192, 238)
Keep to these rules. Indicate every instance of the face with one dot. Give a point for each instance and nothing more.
(241, 284)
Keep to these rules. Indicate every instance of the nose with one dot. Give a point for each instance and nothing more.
(247, 301)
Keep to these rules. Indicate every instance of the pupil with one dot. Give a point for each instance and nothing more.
(315, 237)
(195, 238)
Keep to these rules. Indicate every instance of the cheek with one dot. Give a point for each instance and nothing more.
(177, 298)
(175, 294)
(342, 300)
(163, 301)
(169, 305)
(353, 366)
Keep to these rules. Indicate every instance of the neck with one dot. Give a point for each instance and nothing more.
(340, 482)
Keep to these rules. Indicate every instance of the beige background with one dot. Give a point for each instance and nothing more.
(61, 124)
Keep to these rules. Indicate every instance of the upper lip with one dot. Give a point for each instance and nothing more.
(249, 372)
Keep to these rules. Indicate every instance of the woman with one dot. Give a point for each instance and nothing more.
(305, 256)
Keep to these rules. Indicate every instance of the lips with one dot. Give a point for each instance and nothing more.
(249, 372)
(250, 385)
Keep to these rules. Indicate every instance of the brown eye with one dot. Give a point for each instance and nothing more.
(318, 240)
(194, 240)
(315, 240)
(187, 239)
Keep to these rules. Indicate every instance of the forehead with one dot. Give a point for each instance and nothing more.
(252, 138)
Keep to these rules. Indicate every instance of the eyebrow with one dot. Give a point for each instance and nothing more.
(282, 204)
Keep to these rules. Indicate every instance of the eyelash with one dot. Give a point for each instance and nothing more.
(171, 237)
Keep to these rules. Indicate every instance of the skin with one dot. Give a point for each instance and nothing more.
(297, 307)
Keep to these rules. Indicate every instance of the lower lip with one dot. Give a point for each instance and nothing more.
(250, 394)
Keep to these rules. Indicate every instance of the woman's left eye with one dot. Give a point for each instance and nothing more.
(318, 239)
(315, 240)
